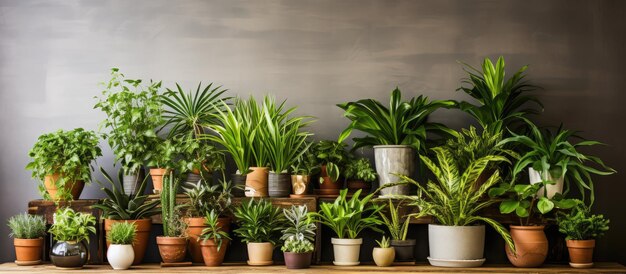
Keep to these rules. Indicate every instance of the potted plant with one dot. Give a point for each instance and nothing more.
(135, 208)
(359, 175)
(347, 218)
(213, 240)
(581, 229)
(61, 162)
(332, 157)
(395, 133)
(71, 231)
(260, 224)
(457, 239)
(173, 243)
(404, 248)
(27, 232)
(133, 115)
(552, 158)
(205, 198)
(160, 159)
(301, 171)
(198, 158)
(121, 254)
(298, 237)
(384, 254)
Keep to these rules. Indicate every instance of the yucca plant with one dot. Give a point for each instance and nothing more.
(470, 145)
(402, 123)
(347, 218)
(213, 230)
(122, 234)
(501, 104)
(398, 228)
(259, 222)
(453, 199)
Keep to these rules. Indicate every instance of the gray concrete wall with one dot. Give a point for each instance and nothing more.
(314, 53)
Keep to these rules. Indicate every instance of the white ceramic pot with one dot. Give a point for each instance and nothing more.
(120, 256)
(535, 177)
(346, 251)
(450, 245)
(384, 256)
(392, 160)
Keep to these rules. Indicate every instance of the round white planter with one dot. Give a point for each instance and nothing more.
(120, 256)
(392, 160)
(346, 251)
(456, 246)
(535, 177)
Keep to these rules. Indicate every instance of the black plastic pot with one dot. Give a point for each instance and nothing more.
(405, 250)
(279, 185)
(69, 254)
(239, 183)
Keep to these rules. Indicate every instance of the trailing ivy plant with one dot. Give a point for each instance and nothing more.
(133, 116)
(69, 225)
(581, 224)
(360, 169)
(66, 153)
(259, 222)
(121, 206)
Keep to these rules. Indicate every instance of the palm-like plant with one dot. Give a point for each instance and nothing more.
(259, 222)
(189, 112)
(347, 218)
(501, 103)
(453, 199)
(402, 123)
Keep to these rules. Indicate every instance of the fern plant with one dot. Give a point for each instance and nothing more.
(122, 233)
(580, 224)
(453, 199)
(259, 222)
(26, 226)
(397, 227)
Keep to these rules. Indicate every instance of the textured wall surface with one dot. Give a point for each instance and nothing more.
(53, 54)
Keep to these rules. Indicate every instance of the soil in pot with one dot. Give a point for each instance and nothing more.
(172, 249)
(279, 184)
(531, 246)
(28, 251)
(295, 260)
(120, 256)
(581, 253)
(210, 254)
(75, 188)
(69, 254)
(383, 256)
(354, 185)
(300, 185)
(256, 182)
(346, 251)
(239, 184)
(327, 185)
(194, 230)
(157, 179)
(260, 253)
(405, 250)
(142, 236)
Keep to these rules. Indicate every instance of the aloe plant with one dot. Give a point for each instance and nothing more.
(121, 206)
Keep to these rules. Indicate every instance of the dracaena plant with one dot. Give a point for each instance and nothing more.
(360, 169)
(259, 221)
(206, 197)
(398, 228)
(470, 145)
(66, 153)
(454, 198)
(348, 217)
(556, 154)
(401, 123)
(581, 224)
(501, 102)
(299, 233)
(213, 230)
(69, 225)
(133, 113)
(333, 155)
(121, 206)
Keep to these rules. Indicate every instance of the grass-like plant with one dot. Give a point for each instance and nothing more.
(70, 226)
(122, 234)
(121, 206)
(398, 228)
(348, 217)
(26, 226)
(580, 224)
(213, 230)
(173, 224)
(259, 222)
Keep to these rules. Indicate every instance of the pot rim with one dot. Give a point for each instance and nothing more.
(121, 245)
(407, 242)
(346, 241)
(528, 227)
(298, 253)
(392, 146)
(455, 226)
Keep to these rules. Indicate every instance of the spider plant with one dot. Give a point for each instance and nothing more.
(403, 123)
(501, 103)
(453, 199)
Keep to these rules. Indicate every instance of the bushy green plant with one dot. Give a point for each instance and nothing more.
(69, 225)
(163, 154)
(306, 163)
(67, 153)
(121, 206)
(333, 155)
(347, 218)
(133, 116)
(213, 231)
(470, 145)
(198, 154)
(259, 221)
(122, 234)
(580, 224)
(383, 243)
(26, 226)
(205, 197)
(360, 169)
(173, 224)
(402, 123)
(397, 227)
(295, 245)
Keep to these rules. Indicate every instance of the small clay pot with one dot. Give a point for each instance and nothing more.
(295, 260)
(142, 236)
(195, 226)
(354, 185)
(405, 250)
(327, 185)
(256, 182)
(383, 256)
(172, 249)
(260, 253)
(279, 184)
(28, 251)
(210, 254)
(239, 184)
(157, 179)
(581, 253)
(300, 184)
(531, 246)
(76, 188)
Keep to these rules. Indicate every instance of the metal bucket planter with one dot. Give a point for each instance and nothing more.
(279, 184)
(390, 160)
(133, 181)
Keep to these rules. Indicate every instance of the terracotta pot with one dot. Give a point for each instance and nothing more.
(531, 246)
(405, 250)
(172, 249)
(346, 251)
(279, 184)
(210, 254)
(28, 251)
(327, 185)
(260, 253)
(295, 260)
(354, 185)
(157, 178)
(194, 230)
(383, 256)
(239, 184)
(142, 236)
(256, 182)
(581, 253)
(75, 188)
(300, 184)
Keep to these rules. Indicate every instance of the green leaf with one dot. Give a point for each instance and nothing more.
(508, 206)
(545, 205)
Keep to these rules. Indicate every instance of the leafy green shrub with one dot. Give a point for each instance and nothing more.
(122, 233)
(26, 226)
(198, 154)
(306, 163)
(205, 198)
(162, 154)
(360, 169)
(67, 153)
(470, 145)
(213, 231)
(121, 206)
(72, 226)
(259, 221)
(333, 155)
(580, 224)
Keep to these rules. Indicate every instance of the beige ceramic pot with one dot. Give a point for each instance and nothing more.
(260, 253)
(384, 256)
